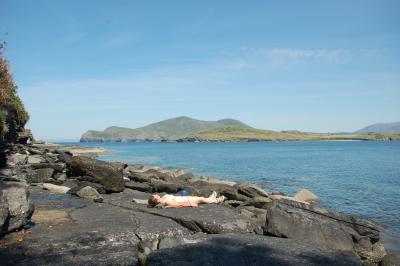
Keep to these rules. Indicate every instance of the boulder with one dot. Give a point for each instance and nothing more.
(258, 202)
(64, 156)
(251, 190)
(138, 186)
(16, 207)
(102, 172)
(81, 184)
(204, 188)
(59, 167)
(324, 228)
(56, 189)
(162, 186)
(119, 165)
(257, 215)
(89, 193)
(40, 175)
(17, 159)
(34, 159)
(247, 249)
(307, 196)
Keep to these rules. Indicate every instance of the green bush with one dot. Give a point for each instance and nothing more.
(13, 115)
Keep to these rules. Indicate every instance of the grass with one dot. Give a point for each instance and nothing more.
(250, 134)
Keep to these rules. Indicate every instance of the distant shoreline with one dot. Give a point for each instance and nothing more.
(228, 141)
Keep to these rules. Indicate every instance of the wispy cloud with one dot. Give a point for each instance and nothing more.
(294, 55)
(120, 40)
(281, 56)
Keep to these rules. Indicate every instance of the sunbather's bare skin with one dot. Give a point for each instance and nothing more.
(171, 201)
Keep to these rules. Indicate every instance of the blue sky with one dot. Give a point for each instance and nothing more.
(322, 66)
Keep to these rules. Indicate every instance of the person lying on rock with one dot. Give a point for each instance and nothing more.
(172, 201)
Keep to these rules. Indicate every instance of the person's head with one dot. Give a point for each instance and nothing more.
(154, 200)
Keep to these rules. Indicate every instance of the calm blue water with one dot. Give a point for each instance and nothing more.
(361, 178)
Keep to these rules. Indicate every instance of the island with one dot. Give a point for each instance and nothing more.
(186, 129)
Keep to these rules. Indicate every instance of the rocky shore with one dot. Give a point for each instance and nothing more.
(60, 208)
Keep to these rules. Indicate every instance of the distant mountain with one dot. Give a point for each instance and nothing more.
(170, 129)
(382, 128)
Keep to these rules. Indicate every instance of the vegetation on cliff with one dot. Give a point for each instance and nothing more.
(13, 115)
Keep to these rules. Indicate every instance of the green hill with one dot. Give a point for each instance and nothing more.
(170, 129)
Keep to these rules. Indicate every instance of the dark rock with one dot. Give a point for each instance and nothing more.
(94, 235)
(16, 207)
(205, 188)
(162, 186)
(64, 156)
(233, 203)
(104, 173)
(258, 216)
(138, 186)
(245, 249)
(119, 165)
(325, 228)
(258, 202)
(251, 191)
(41, 175)
(71, 183)
(24, 136)
(59, 167)
(185, 177)
(139, 177)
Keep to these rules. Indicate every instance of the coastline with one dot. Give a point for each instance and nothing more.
(246, 211)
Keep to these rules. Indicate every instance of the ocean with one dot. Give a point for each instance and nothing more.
(355, 177)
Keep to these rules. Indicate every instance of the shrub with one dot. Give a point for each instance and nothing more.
(13, 115)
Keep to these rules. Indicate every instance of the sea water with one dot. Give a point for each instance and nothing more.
(356, 177)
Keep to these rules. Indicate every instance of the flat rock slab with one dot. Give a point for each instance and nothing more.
(93, 235)
(210, 218)
(87, 233)
(245, 249)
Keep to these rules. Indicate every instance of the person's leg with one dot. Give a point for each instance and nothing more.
(210, 200)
